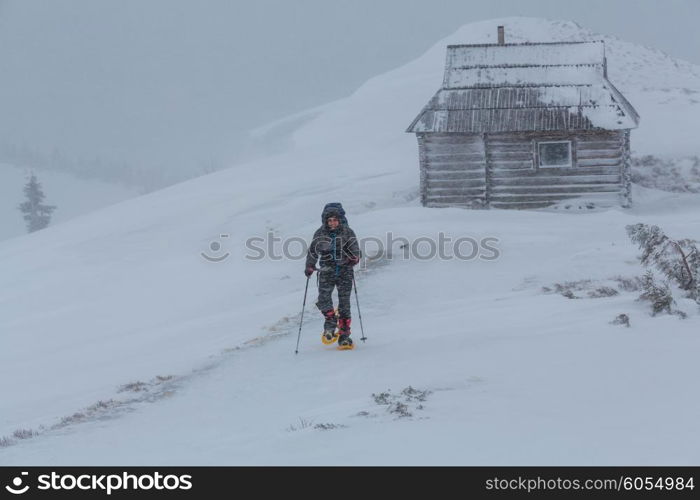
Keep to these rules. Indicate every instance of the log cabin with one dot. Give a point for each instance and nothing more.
(525, 125)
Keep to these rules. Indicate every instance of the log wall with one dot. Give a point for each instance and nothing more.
(453, 170)
(500, 170)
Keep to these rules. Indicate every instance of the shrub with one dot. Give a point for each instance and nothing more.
(659, 295)
(677, 260)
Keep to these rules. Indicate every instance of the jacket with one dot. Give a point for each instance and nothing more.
(334, 249)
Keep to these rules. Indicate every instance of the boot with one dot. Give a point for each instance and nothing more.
(329, 334)
(344, 340)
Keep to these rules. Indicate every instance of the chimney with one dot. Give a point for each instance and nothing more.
(501, 36)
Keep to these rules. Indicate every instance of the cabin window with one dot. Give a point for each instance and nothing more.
(554, 154)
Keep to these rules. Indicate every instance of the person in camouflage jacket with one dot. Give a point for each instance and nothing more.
(335, 247)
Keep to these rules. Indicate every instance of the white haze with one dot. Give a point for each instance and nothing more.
(150, 93)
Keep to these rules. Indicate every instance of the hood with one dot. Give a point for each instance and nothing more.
(333, 209)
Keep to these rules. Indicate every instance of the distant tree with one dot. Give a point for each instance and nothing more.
(36, 214)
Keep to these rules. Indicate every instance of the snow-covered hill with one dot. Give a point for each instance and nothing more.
(122, 344)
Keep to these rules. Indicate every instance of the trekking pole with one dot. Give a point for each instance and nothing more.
(359, 313)
(302, 313)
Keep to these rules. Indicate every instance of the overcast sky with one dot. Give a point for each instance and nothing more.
(161, 82)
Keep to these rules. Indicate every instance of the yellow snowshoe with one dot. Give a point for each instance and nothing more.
(329, 336)
(345, 343)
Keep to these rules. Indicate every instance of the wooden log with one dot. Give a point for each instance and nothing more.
(452, 139)
(556, 172)
(517, 198)
(457, 184)
(455, 199)
(542, 180)
(610, 135)
(510, 165)
(593, 146)
(463, 185)
(455, 167)
(454, 150)
(443, 149)
(434, 194)
(442, 175)
(446, 176)
(524, 147)
(531, 205)
(592, 154)
(599, 162)
(511, 155)
(435, 162)
(433, 204)
(539, 204)
(524, 205)
(455, 157)
(455, 138)
(457, 188)
(508, 140)
(599, 135)
(588, 145)
(475, 184)
(558, 189)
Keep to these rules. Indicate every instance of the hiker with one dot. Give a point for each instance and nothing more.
(335, 246)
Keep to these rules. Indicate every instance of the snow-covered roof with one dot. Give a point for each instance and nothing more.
(526, 87)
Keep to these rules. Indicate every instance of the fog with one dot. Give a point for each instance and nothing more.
(154, 91)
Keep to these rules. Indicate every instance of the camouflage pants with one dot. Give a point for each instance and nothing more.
(327, 280)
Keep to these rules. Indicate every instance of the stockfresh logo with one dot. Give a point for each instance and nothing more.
(18, 487)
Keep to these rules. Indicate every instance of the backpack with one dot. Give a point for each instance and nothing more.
(336, 207)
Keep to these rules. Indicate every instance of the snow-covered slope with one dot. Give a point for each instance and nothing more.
(514, 375)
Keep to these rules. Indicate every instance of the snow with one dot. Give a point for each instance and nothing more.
(536, 64)
(516, 375)
(589, 52)
(608, 117)
(526, 75)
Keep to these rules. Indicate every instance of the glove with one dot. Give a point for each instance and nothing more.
(309, 270)
(352, 261)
